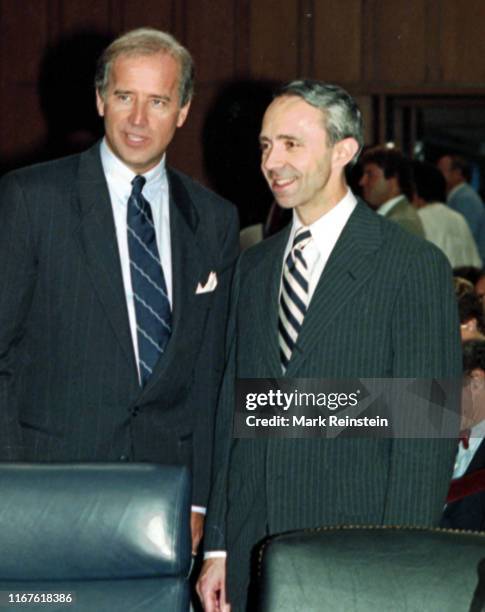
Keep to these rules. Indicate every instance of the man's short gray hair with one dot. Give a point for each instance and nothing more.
(147, 41)
(342, 117)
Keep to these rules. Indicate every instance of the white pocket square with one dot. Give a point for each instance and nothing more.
(209, 286)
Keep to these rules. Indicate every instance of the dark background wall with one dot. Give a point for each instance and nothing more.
(398, 57)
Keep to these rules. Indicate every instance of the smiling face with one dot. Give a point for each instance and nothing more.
(301, 169)
(141, 108)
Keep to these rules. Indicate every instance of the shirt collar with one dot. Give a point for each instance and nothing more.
(478, 431)
(389, 205)
(331, 222)
(116, 170)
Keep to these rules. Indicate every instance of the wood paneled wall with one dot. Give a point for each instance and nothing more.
(369, 46)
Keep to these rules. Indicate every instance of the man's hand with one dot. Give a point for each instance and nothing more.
(211, 586)
(197, 529)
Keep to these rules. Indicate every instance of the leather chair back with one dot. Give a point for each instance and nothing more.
(358, 569)
(116, 536)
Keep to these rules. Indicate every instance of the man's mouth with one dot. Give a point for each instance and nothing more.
(135, 139)
(280, 184)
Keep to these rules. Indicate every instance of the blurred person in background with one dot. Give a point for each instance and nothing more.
(476, 276)
(444, 227)
(387, 187)
(466, 497)
(462, 197)
(470, 311)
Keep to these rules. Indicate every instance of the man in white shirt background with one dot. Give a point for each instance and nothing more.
(444, 227)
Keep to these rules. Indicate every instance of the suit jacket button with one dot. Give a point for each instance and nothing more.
(123, 458)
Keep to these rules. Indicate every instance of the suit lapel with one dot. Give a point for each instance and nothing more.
(268, 276)
(97, 235)
(348, 267)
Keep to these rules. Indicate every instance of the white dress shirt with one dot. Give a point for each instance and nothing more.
(155, 191)
(464, 455)
(449, 231)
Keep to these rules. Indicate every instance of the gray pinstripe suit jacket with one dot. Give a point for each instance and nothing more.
(384, 307)
(68, 380)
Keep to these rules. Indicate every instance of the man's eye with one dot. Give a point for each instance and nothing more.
(159, 102)
(123, 97)
(290, 144)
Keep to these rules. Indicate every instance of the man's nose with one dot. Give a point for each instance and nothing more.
(138, 114)
(272, 158)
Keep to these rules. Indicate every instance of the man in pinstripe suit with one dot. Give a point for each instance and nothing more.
(74, 383)
(379, 303)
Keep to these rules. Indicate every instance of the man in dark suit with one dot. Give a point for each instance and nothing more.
(387, 187)
(115, 276)
(376, 301)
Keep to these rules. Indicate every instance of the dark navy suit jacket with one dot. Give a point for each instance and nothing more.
(69, 389)
(384, 307)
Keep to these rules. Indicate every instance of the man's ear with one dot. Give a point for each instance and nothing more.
(99, 103)
(344, 152)
(183, 112)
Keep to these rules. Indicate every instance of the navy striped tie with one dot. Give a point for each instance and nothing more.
(152, 307)
(294, 296)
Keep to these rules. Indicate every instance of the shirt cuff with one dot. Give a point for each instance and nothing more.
(215, 554)
(199, 509)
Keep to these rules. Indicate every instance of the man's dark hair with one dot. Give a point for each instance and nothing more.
(470, 307)
(473, 355)
(429, 183)
(393, 164)
(470, 273)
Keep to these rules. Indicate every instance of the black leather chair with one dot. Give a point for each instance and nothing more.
(115, 536)
(358, 569)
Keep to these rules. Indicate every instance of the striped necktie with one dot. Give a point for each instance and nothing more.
(152, 307)
(294, 296)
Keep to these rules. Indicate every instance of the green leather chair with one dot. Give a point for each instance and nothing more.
(116, 537)
(372, 569)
